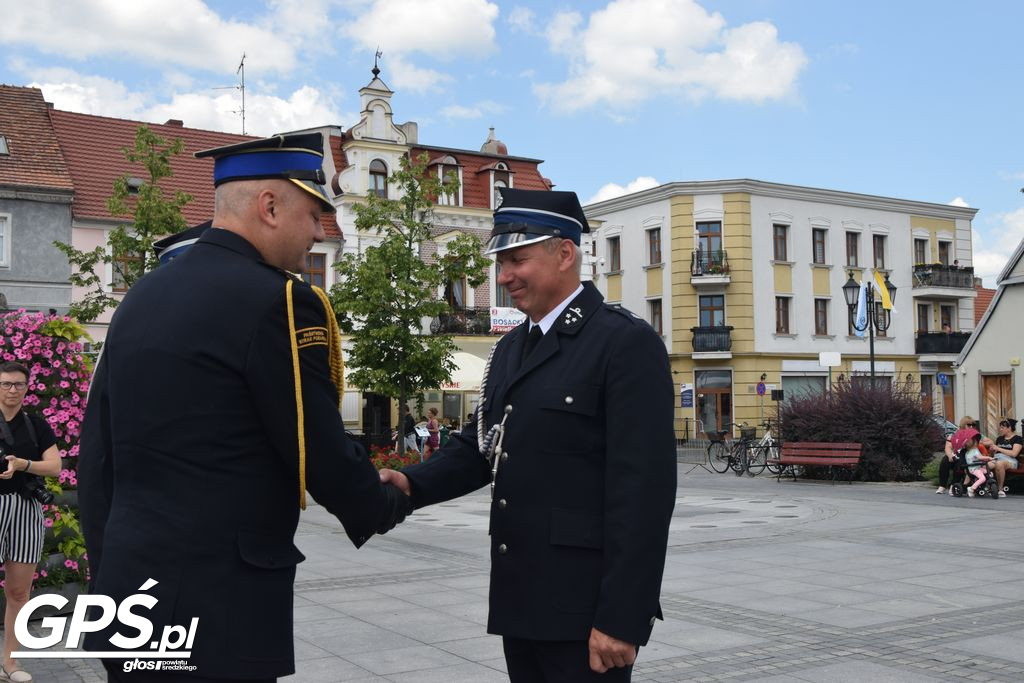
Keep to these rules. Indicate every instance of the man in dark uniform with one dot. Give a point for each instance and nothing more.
(585, 477)
(212, 411)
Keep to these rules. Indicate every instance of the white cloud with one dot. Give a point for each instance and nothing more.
(406, 76)
(635, 49)
(959, 201)
(443, 29)
(458, 111)
(521, 19)
(612, 190)
(164, 32)
(992, 252)
(265, 114)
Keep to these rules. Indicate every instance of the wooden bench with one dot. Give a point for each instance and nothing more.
(835, 456)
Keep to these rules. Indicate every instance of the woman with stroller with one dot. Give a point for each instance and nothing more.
(1006, 451)
(946, 464)
(976, 462)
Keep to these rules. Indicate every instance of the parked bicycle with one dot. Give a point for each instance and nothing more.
(763, 453)
(725, 454)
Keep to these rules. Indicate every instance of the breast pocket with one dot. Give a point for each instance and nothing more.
(569, 418)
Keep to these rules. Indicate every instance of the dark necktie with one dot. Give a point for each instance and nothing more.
(531, 341)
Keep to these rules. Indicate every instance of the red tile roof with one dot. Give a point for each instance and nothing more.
(35, 158)
(92, 146)
(476, 189)
(982, 302)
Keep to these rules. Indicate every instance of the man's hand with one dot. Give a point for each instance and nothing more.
(396, 479)
(607, 652)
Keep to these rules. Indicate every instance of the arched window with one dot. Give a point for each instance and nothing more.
(379, 178)
(502, 178)
(497, 184)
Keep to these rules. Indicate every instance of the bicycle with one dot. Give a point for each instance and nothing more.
(721, 457)
(765, 453)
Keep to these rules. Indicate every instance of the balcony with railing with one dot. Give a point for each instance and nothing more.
(709, 267)
(928, 343)
(462, 321)
(712, 340)
(934, 279)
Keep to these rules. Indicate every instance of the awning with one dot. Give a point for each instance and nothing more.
(468, 373)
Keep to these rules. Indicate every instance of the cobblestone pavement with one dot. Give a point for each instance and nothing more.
(765, 581)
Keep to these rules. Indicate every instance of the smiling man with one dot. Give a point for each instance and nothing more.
(212, 411)
(586, 474)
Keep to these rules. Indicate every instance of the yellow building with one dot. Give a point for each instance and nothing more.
(744, 281)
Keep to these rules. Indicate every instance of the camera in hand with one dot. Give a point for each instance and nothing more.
(32, 487)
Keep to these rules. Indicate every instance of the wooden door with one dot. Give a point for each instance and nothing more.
(996, 401)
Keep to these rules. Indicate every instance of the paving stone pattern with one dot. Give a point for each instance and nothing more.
(765, 581)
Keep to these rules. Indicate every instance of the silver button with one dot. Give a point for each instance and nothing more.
(568, 399)
(502, 503)
(502, 549)
(504, 456)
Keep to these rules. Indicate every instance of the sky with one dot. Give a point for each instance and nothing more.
(913, 99)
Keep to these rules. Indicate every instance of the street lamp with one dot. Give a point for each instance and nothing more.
(876, 319)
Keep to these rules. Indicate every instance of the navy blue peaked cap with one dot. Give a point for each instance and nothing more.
(298, 158)
(177, 244)
(528, 216)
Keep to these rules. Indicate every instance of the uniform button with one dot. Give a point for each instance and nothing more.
(504, 456)
(502, 503)
(502, 549)
(508, 409)
(652, 621)
(568, 399)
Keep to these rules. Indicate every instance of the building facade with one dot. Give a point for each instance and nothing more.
(36, 192)
(744, 281)
(989, 365)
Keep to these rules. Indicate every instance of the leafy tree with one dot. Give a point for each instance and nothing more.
(131, 246)
(386, 293)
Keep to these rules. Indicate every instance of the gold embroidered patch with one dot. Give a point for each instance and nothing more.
(311, 336)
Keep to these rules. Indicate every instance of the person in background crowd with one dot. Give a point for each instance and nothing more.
(1006, 451)
(29, 452)
(434, 433)
(946, 463)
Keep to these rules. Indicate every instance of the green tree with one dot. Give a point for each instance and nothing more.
(153, 215)
(385, 294)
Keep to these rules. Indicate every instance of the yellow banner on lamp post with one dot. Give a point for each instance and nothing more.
(883, 291)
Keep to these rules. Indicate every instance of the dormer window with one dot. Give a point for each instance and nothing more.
(379, 178)
(4, 149)
(448, 169)
(133, 185)
(502, 178)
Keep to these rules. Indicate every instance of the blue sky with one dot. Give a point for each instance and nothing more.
(911, 99)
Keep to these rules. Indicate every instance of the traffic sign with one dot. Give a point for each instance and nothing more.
(942, 379)
(760, 388)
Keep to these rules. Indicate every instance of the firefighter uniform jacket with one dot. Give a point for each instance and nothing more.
(586, 482)
(188, 471)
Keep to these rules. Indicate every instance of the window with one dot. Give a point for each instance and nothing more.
(852, 243)
(803, 386)
(455, 294)
(125, 267)
(879, 248)
(920, 251)
(654, 246)
(447, 172)
(4, 149)
(946, 316)
(880, 314)
(654, 314)
(379, 178)
(779, 237)
(5, 240)
(944, 253)
(924, 312)
(497, 197)
(712, 310)
(501, 297)
(818, 235)
(709, 242)
(782, 315)
(821, 317)
(500, 177)
(614, 257)
(316, 270)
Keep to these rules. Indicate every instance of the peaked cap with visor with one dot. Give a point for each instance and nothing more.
(298, 158)
(528, 216)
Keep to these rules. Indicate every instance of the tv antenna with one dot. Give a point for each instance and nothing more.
(240, 71)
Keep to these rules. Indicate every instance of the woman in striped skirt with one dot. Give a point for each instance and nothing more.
(29, 449)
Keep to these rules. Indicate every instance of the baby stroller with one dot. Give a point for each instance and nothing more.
(961, 470)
